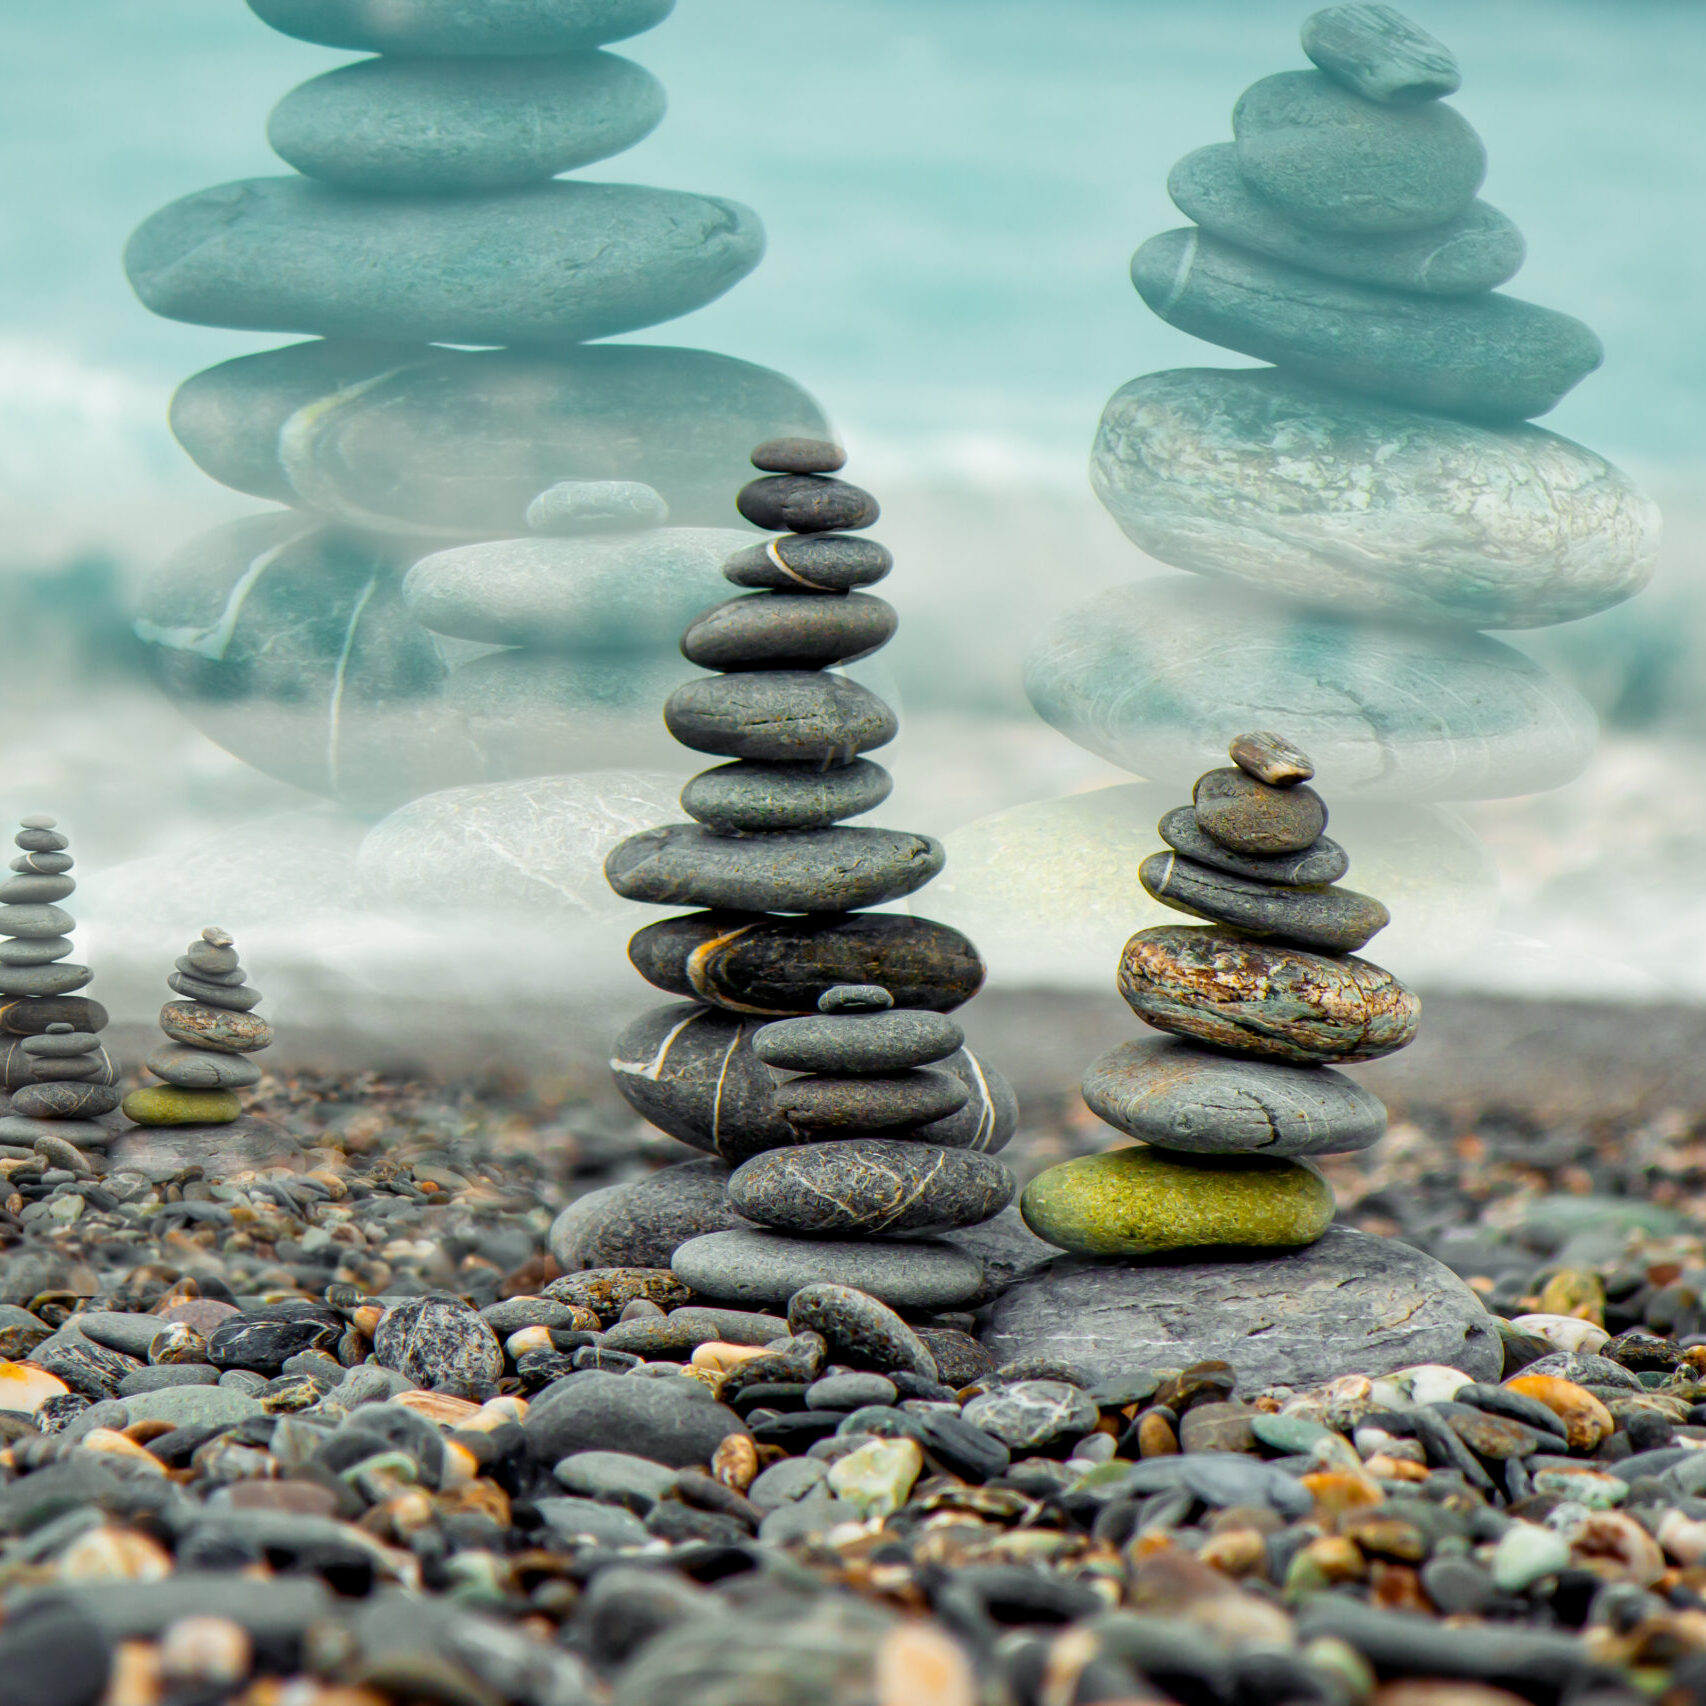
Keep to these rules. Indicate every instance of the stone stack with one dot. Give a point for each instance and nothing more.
(51, 1058)
(426, 218)
(1353, 514)
(210, 1034)
(782, 887)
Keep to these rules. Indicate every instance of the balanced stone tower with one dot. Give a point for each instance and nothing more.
(51, 1058)
(1353, 514)
(1262, 1004)
(426, 211)
(210, 1034)
(783, 885)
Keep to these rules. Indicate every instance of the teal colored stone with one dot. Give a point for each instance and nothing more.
(1490, 357)
(1336, 162)
(1379, 53)
(456, 444)
(444, 126)
(1294, 1436)
(1479, 250)
(460, 29)
(556, 264)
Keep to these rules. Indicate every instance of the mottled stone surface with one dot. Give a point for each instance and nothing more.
(1332, 920)
(1491, 357)
(214, 1027)
(642, 1224)
(458, 443)
(1377, 52)
(1354, 504)
(610, 592)
(806, 503)
(1008, 1249)
(1478, 250)
(440, 1343)
(1337, 162)
(766, 798)
(1349, 1304)
(1273, 1002)
(1180, 1096)
(866, 1186)
(777, 966)
(1151, 676)
(1248, 816)
(1270, 758)
(858, 1042)
(781, 630)
(821, 563)
(676, 1422)
(764, 1267)
(1138, 1201)
(245, 1145)
(1323, 861)
(780, 716)
(859, 1328)
(291, 255)
(438, 127)
(167, 1104)
(458, 30)
(1030, 1414)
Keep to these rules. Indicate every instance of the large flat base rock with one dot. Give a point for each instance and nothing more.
(249, 1144)
(1349, 1304)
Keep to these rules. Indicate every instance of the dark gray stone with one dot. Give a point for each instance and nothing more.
(1348, 1304)
(820, 1108)
(850, 1392)
(291, 255)
(683, 1330)
(799, 456)
(37, 951)
(459, 443)
(262, 1340)
(45, 980)
(88, 1368)
(448, 126)
(440, 1343)
(768, 798)
(869, 1186)
(674, 1421)
(990, 1115)
(1008, 1250)
(782, 630)
(1332, 920)
(201, 1069)
(762, 1267)
(859, 1326)
(245, 1145)
(1479, 250)
(615, 1476)
(1379, 54)
(1250, 817)
(642, 1224)
(819, 870)
(1323, 861)
(810, 563)
(35, 923)
(33, 890)
(608, 1524)
(65, 1101)
(780, 716)
(167, 1377)
(1178, 1096)
(858, 1042)
(1337, 162)
(1490, 357)
(456, 30)
(806, 503)
(119, 1330)
(54, 1652)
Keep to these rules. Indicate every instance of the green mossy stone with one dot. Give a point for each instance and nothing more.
(1142, 1201)
(166, 1104)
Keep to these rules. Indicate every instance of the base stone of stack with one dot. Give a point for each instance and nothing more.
(243, 1145)
(1349, 1304)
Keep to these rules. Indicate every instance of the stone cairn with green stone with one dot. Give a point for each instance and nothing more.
(52, 1062)
(454, 405)
(1263, 1002)
(781, 966)
(211, 1032)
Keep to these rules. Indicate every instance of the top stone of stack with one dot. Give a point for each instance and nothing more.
(1377, 52)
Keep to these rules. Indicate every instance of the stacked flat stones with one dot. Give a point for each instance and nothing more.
(426, 211)
(1355, 512)
(782, 883)
(1261, 1004)
(211, 1032)
(51, 1059)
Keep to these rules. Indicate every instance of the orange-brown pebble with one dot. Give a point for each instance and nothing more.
(206, 1650)
(735, 1462)
(1586, 1420)
(1426, 1691)
(1617, 1548)
(1236, 1552)
(920, 1664)
(1385, 1468)
(1397, 1587)
(438, 1407)
(25, 1387)
(1576, 1292)
(134, 1679)
(109, 1441)
(1337, 1559)
(1337, 1491)
(1155, 1436)
(108, 1554)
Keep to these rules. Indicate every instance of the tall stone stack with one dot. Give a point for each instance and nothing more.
(783, 885)
(52, 1062)
(426, 211)
(1355, 513)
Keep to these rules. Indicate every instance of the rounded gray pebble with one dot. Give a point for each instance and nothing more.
(763, 1267)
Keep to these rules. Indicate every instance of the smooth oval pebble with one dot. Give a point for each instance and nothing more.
(764, 1267)
(1331, 920)
(866, 1187)
(60, 1100)
(1324, 861)
(806, 503)
(1141, 1201)
(778, 630)
(31, 1018)
(214, 1027)
(578, 507)
(34, 890)
(35, 922)
(780, 716)
(34, 951)
(1272, 1002)
(1247, 816)
(236, 998)
(841, 1107)
(48, 980)
(61, 1044)
(1377, 52)
(200, 1068)
(756, 798)
(815, 870)
(858, 1042)
(450, 126)
(167, 1104)
(1337, 162)
(799, 456)
(810, 563)
(1179, 1096)
(456, 29)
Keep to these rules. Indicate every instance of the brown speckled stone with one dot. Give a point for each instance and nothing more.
(607, 1291)
(1248, 816)
(1270, 758)
(214, 1027)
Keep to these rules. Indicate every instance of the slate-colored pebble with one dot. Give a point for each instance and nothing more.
(753, 798)
(799, 456)
(773, 630)
(1380, 54)
(641, 1224)
(263, 1341)
(31, 1018)
(859, 1325)
(849, 1392)
(440, 1343)
(200, 1069)
(675, 1422)
(1250, 817)
(1330, 920)
(862, 1042)
(806, 503)
(233, 998)
(810, 563)
(780, 716)
(1323, 861)
(820, 1107)
(1032, 1413)
(764, 1267)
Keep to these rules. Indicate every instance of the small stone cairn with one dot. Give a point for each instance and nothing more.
(210, 1035)
(51, 1058)
(1262, 1002)
(782, 884)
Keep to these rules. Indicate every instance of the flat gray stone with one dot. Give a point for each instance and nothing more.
(890, 1105)
(1178, 1096)
(200, 1068)
(454, 29)
(448, 126)
(781, 630)
(1150, 677)
(763, 1267)
(592, 1519)
(780, 716)
(674, 1421)
(1377, 52)
(1323, 861)
(642, 1224)
(1351, 504)
(617, 1476)
(1348, 1304)
(811, 562)
(1332, 920)
(858, 1042)
(560, 262)
(766, 798)
(190, 1406)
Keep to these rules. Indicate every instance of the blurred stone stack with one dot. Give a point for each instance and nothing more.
(426, 212)
(783, 884)
(210, 1034)
(1351, 515)
(51, 1059)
